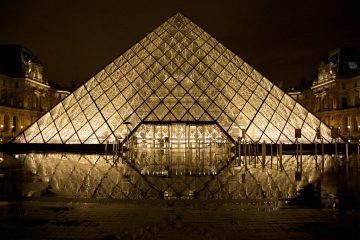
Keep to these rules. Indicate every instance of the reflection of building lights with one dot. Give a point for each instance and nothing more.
(2, 126)
(349, 126)
(12, 126)
(21, 127)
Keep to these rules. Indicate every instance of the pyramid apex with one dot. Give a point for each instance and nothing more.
(178, 19)
(179, 14)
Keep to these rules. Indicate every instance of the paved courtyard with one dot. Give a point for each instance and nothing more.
(168, 219)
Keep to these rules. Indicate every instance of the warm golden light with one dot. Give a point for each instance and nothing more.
(123, 181)
(178, 73)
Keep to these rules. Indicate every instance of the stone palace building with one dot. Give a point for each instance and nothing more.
(25, 94)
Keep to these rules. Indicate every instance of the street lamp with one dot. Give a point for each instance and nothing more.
(13, 130)
(1, 132)
(127, 136)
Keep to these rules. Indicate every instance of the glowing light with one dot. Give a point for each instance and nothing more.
(200, 87)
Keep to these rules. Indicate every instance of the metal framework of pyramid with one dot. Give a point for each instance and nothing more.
(177, 73)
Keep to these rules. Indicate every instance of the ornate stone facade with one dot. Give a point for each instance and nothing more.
(335, 94)
(25, 94)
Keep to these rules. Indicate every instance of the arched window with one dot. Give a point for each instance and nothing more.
(6, 123)
(343, 102)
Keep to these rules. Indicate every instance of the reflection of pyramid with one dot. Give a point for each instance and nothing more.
(94, 176)
(177, 73)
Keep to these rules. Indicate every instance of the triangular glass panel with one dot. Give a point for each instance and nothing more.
(20, 139)
(91, 140)
(73, 139)
(152, 117)
(55, 139)
(37, 139)
(188, 117)
(170, 117)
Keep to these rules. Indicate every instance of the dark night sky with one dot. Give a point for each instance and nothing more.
(284, 40)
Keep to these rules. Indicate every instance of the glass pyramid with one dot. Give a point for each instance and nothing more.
(177, 73)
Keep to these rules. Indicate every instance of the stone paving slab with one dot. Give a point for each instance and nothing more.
(162, 219)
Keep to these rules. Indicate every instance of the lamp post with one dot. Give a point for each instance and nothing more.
(349, 132)
(127, 136)
(13, 130)
(1, 132)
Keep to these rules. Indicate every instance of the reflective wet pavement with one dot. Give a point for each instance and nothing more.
(179, 219)
(71, 196)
